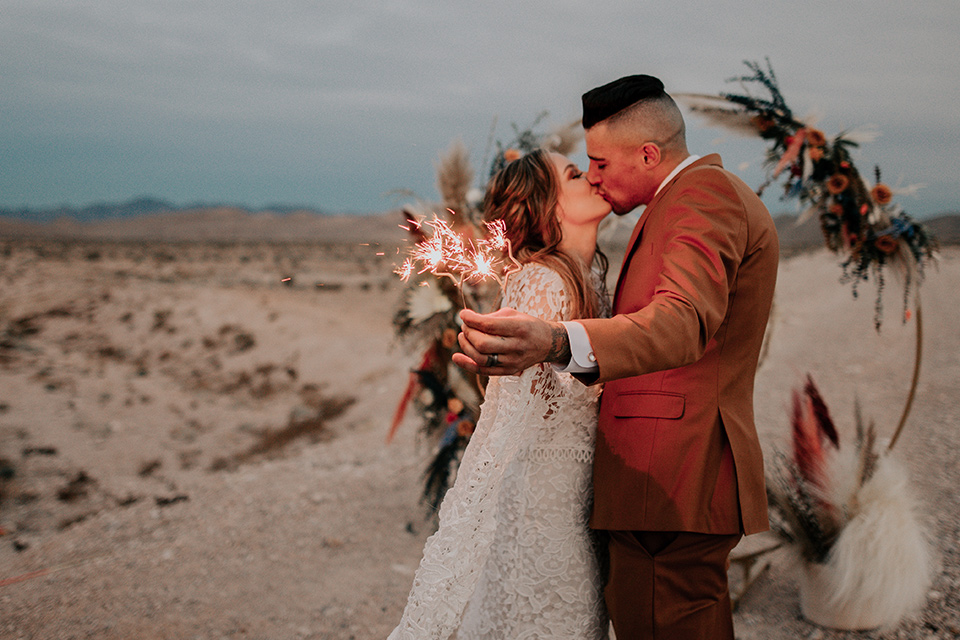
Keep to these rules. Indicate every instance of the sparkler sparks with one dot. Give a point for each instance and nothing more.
(446, 253)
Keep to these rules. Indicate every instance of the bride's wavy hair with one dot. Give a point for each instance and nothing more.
(524, 194)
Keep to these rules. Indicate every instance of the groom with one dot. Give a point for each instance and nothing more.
(678, 471)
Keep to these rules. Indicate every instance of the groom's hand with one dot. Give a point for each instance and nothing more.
(518, 340)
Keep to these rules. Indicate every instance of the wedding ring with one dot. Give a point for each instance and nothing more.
(493, 360)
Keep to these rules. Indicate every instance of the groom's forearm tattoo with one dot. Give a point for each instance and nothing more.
(559, 345)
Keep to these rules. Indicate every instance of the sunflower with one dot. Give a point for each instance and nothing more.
(838, 183)
(815, 138)
(887, 244)
(881, 194)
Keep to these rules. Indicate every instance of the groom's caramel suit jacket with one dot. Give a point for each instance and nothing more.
(677, 448)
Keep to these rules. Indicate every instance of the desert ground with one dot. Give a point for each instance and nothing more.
(192, 437)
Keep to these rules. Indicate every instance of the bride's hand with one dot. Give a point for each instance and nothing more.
(504, 342)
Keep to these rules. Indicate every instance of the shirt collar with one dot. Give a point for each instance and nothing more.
(680, 167)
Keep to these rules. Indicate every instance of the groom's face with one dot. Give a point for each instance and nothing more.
(617, 170)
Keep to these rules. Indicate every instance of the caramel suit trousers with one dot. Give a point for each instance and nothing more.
(669, 585)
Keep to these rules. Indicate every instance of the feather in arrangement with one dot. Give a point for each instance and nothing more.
(564, 139)
(867, 456)
(445, 397)
(857, 219)
(846, 511)
(719, 112)
(850, 516)
(440, 472)
(879, 569)
(812, 429)
(401, 411)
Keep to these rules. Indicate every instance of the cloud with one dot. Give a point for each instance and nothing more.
(380, 89)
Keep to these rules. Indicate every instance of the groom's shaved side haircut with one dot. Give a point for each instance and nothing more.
(655, 120)
(639, 109)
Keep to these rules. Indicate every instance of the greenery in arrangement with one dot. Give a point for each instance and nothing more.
(850, 516)
(858, 218)
(445, 397)
(799, 486)
(847, 511)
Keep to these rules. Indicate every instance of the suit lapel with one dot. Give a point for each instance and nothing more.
(634, 243)
(628, 256)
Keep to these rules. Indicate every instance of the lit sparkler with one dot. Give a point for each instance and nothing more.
(446, 253)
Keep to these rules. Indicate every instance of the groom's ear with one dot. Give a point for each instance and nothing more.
(650, 154)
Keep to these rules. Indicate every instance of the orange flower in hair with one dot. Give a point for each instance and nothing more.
(815, 153)
(838, 183)
(881, 194)
(511, 154)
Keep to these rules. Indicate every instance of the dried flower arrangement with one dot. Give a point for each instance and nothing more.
(446, 398)
(850, 517)
(847, 512)
(858, 219)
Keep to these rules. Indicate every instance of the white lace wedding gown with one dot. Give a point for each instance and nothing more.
(513, 556)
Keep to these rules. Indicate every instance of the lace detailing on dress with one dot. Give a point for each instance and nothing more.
(513, 556)
(548, 454)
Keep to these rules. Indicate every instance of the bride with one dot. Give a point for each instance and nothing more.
(513, 556)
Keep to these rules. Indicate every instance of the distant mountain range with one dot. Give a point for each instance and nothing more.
(794, 238)
(144, 205)
(148, 219)
(155, 220)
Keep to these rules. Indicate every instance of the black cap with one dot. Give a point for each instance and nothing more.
(602, 102)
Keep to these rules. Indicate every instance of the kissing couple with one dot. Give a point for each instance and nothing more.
(616, 462)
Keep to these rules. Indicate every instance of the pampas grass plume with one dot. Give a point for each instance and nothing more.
(719, 112)
(564, 139)
(880, 567)
(454, 177)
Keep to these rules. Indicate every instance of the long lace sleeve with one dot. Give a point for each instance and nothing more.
(513, 412)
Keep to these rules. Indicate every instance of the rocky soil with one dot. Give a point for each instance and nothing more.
(192, 438)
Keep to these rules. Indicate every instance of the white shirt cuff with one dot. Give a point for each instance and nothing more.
(582, 358)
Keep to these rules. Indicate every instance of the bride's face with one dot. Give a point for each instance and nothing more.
(579, 204)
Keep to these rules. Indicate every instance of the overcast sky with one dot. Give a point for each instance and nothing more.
(337, 104)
